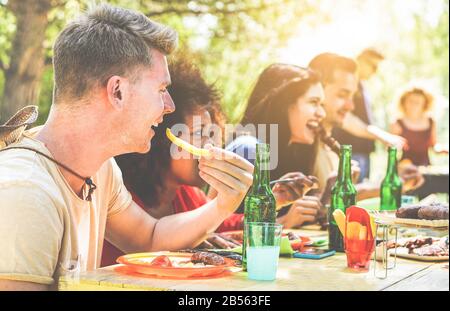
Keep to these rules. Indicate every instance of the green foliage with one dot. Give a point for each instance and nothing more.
(233, 48)
(7, 29)
(233, 40)
(421, 57)
(45, 98)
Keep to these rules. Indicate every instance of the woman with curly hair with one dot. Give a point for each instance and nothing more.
(162, 184)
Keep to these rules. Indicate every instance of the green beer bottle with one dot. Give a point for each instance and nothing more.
(260, 204)
(343, 195)
(391, 187)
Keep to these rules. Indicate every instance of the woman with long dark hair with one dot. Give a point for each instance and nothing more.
(291, 98)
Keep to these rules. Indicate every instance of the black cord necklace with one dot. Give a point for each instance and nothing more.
(87, 180)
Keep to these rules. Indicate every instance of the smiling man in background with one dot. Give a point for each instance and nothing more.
(340, 82)
(358, 129)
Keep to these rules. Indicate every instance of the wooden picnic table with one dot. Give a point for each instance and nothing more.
(328, 274)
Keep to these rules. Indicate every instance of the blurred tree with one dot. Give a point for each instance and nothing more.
(233, 40)
(23, 72)
(421, 56)
(230, 39)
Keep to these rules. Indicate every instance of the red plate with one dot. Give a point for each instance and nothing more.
(140, 263)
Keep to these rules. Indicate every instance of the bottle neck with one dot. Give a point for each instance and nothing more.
(345, 166)
(261, 176)
(392, 163)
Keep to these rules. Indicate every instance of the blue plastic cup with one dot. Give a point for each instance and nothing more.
(263, 250)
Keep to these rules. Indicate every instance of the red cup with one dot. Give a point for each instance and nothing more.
(359, 248)
(359, 253)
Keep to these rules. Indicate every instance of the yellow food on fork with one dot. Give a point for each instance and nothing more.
(187, 146)
(339, 217)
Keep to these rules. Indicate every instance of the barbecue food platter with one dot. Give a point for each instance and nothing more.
(433, 215)
(177, 265)
(420, 248)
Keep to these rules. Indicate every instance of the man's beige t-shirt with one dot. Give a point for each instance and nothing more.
(326, 163)
(46, 230)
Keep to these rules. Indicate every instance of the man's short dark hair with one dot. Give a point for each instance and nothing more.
(326, 64)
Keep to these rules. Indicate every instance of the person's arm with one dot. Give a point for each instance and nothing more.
(433, 138)
(285, 193)
(232, 223)
(437, 148)
(134, 230)
(355, 126)
(395, 129)
(31, 230)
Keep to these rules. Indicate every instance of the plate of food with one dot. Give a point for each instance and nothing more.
(420, 248)
(177, 265)
(432, 215)
(429, 215)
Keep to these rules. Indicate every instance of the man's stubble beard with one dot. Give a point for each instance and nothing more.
(129, 145)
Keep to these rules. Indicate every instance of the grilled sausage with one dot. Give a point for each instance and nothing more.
(208, 258)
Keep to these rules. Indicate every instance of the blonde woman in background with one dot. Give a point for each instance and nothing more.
(416, 125)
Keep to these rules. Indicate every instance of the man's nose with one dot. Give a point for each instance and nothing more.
(169, 105)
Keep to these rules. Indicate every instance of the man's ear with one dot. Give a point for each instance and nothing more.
(115, 89)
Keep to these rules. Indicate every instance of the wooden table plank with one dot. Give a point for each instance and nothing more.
(434, 278)
(293, 274)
